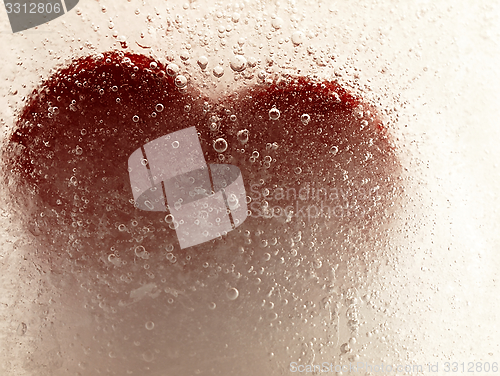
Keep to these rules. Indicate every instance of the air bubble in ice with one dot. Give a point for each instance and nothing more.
(218, 71)
(298, 38)
(305, 119)
(220, 145)
(180, 81)
(238, 63)
(277, 23)
(135, 118)
(172, 69)
(159, 107)
(232, 294)
(274, 113)
(203, 62)
(243, 136)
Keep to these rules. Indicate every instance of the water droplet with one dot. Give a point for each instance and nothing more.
(238, 63)
(243, 136)
(203, 62)
(274, 113)
(180, 81)
(135, 118)
(172, 69)
(159, 107)
(220, 145)
(232, 294)
(218, 71)
(298, 38)
(305, 119)
(150, 325)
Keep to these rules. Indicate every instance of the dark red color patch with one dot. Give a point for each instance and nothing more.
(67, 157)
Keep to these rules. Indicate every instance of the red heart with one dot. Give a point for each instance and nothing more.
(67, 162)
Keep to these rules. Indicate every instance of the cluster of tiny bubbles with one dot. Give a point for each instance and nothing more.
(181, 81)
(243, 136)
(135, 118)
(274, 113)
(172, 69)
(159, 107)
(238, 63)
(232, 293)
(218, 71)
(305, 119)
(203, 62)
(220, 145)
